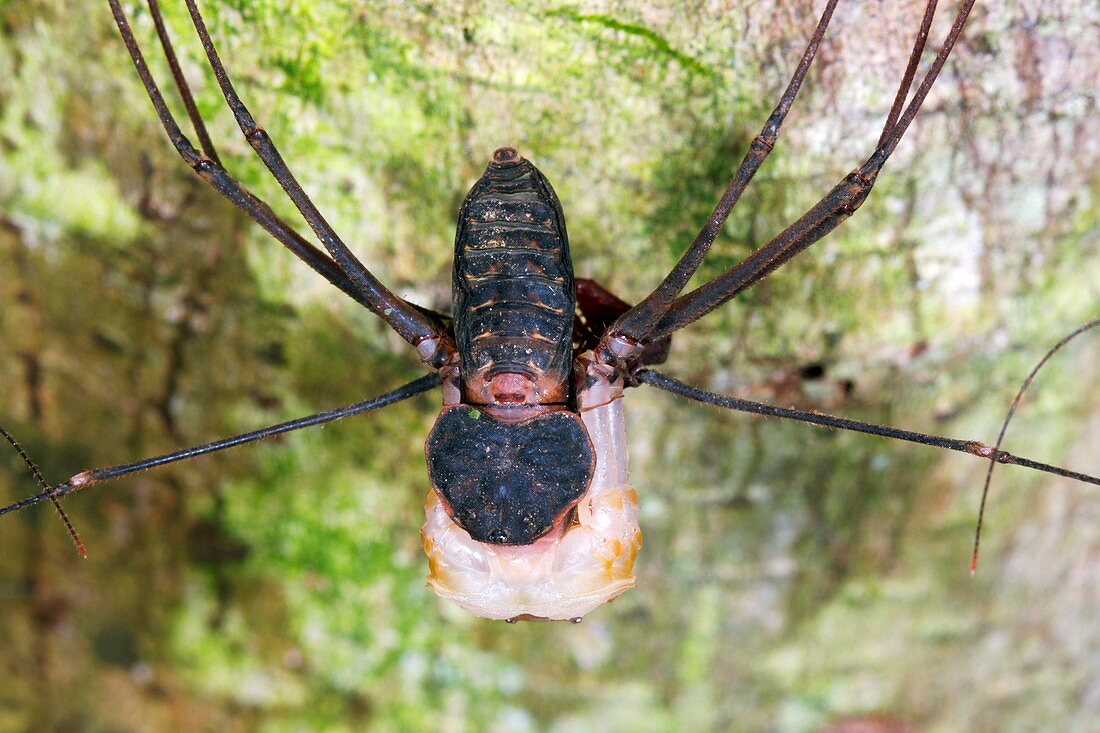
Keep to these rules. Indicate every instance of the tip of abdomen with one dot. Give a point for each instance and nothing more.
(506, 156)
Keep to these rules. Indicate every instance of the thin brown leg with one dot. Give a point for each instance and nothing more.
(910, 69)
(212, 172)
(408, 322)
(182, 86)
(637, 323)
(84, 479)
(973, 447)
(840, 203)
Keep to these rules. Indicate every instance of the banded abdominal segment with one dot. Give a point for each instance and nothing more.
(513, 290)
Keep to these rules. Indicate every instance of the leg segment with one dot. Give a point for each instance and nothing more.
(973, 447)
(182, 86)
(637, 323)
(211, 171)
(597, 309)
(408, 322)
(910, 70)
(840, 203)
(1004, 428)
(45, 488)
(89, 478)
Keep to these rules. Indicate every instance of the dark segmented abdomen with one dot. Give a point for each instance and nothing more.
(513, 288)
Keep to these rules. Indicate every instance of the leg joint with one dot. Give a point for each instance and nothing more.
(760, 144)
(203, 166)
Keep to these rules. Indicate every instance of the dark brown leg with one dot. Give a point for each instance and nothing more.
(910, 70)
(1004, 428)
(637, 323)
(408, 322)
(84, 479)
(973, 447)
(182, 86)
(840, 203)
(211, 171)
(45, 491)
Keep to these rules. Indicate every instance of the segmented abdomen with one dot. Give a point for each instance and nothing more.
(513, 288)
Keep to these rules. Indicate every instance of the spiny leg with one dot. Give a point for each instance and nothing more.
(210, 170)
(407, 321)
(637, 323)
(85, 479)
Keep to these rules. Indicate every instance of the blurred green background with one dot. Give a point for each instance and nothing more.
(793, 579)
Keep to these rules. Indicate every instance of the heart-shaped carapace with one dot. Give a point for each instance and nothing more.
(508, 483)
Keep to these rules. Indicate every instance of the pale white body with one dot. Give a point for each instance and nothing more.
(558, 577)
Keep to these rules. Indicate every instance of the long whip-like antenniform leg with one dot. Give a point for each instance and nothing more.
(408, 322)
(973, 447)
(840, 203)
(89, 478)
(638, 322)
(207, 165)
